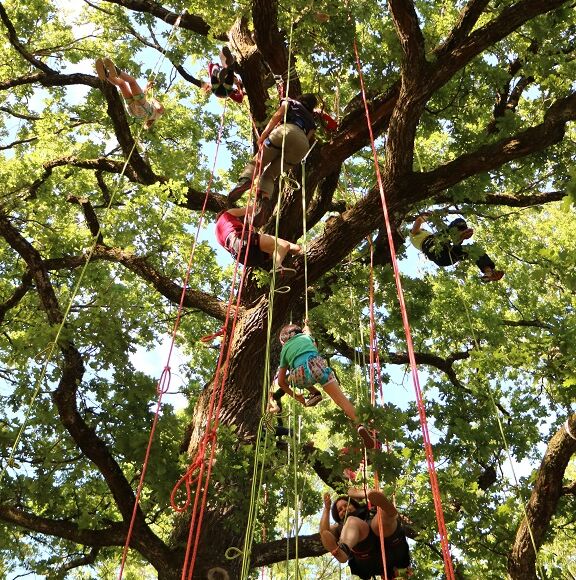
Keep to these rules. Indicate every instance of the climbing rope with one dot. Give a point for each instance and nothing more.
(448, 566)
(164, 382)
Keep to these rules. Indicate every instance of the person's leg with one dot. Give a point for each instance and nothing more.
(333, 390)
(439, 252)
(296, 146)
(354, 531)
(135, 88)
(387, 514)
(277, 248)
(245, 178)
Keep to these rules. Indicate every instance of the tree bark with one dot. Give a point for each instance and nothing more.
(542, 504)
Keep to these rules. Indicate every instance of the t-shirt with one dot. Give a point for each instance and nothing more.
(299, 115)
(295, 347)
(418, 239)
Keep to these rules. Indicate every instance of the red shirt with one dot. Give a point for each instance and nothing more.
(227, 224)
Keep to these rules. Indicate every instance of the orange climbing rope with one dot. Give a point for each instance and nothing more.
(164, 382)
(448, 566)
(201, 463)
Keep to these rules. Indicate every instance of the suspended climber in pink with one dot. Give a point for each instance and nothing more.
(264, 251)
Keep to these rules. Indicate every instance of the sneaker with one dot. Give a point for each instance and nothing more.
(111, 69)
(313, 400)
(226, 57)
(264, 210)
(101, 70)
(243, 185)
(366, 436)
(492, 276)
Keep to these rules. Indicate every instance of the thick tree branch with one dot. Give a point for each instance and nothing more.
(542, 504)
(409, 34)
(114, 535)
(272, 45)
(510, 200)
(489, 157)
(194, 298)
(468, 18)
(187, 21)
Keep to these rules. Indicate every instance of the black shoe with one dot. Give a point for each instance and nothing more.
(236, 193)
(264, 209)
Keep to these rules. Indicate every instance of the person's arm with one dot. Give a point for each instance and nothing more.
(283, 384)
(325, 519)
(277, 118)
(240, 211)
(417, 225)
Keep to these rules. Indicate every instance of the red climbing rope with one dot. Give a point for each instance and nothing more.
(200, 462)
(375, 366)
(448, 566)
(164, 382)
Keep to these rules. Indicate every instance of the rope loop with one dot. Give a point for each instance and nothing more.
(164, 381)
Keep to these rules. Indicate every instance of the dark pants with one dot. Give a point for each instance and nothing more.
(446, 254)
(256, 257)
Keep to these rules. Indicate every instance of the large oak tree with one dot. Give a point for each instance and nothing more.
(472, 107)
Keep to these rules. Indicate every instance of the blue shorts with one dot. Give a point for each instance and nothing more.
(311, 370)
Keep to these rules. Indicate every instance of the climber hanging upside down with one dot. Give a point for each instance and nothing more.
(447, 249)
(139, 104)
(355, 538)
(223, 77)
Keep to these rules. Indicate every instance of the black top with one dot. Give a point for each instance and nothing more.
(299, 115)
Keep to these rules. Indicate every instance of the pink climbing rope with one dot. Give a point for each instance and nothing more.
(448, 566)
(164, 382)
